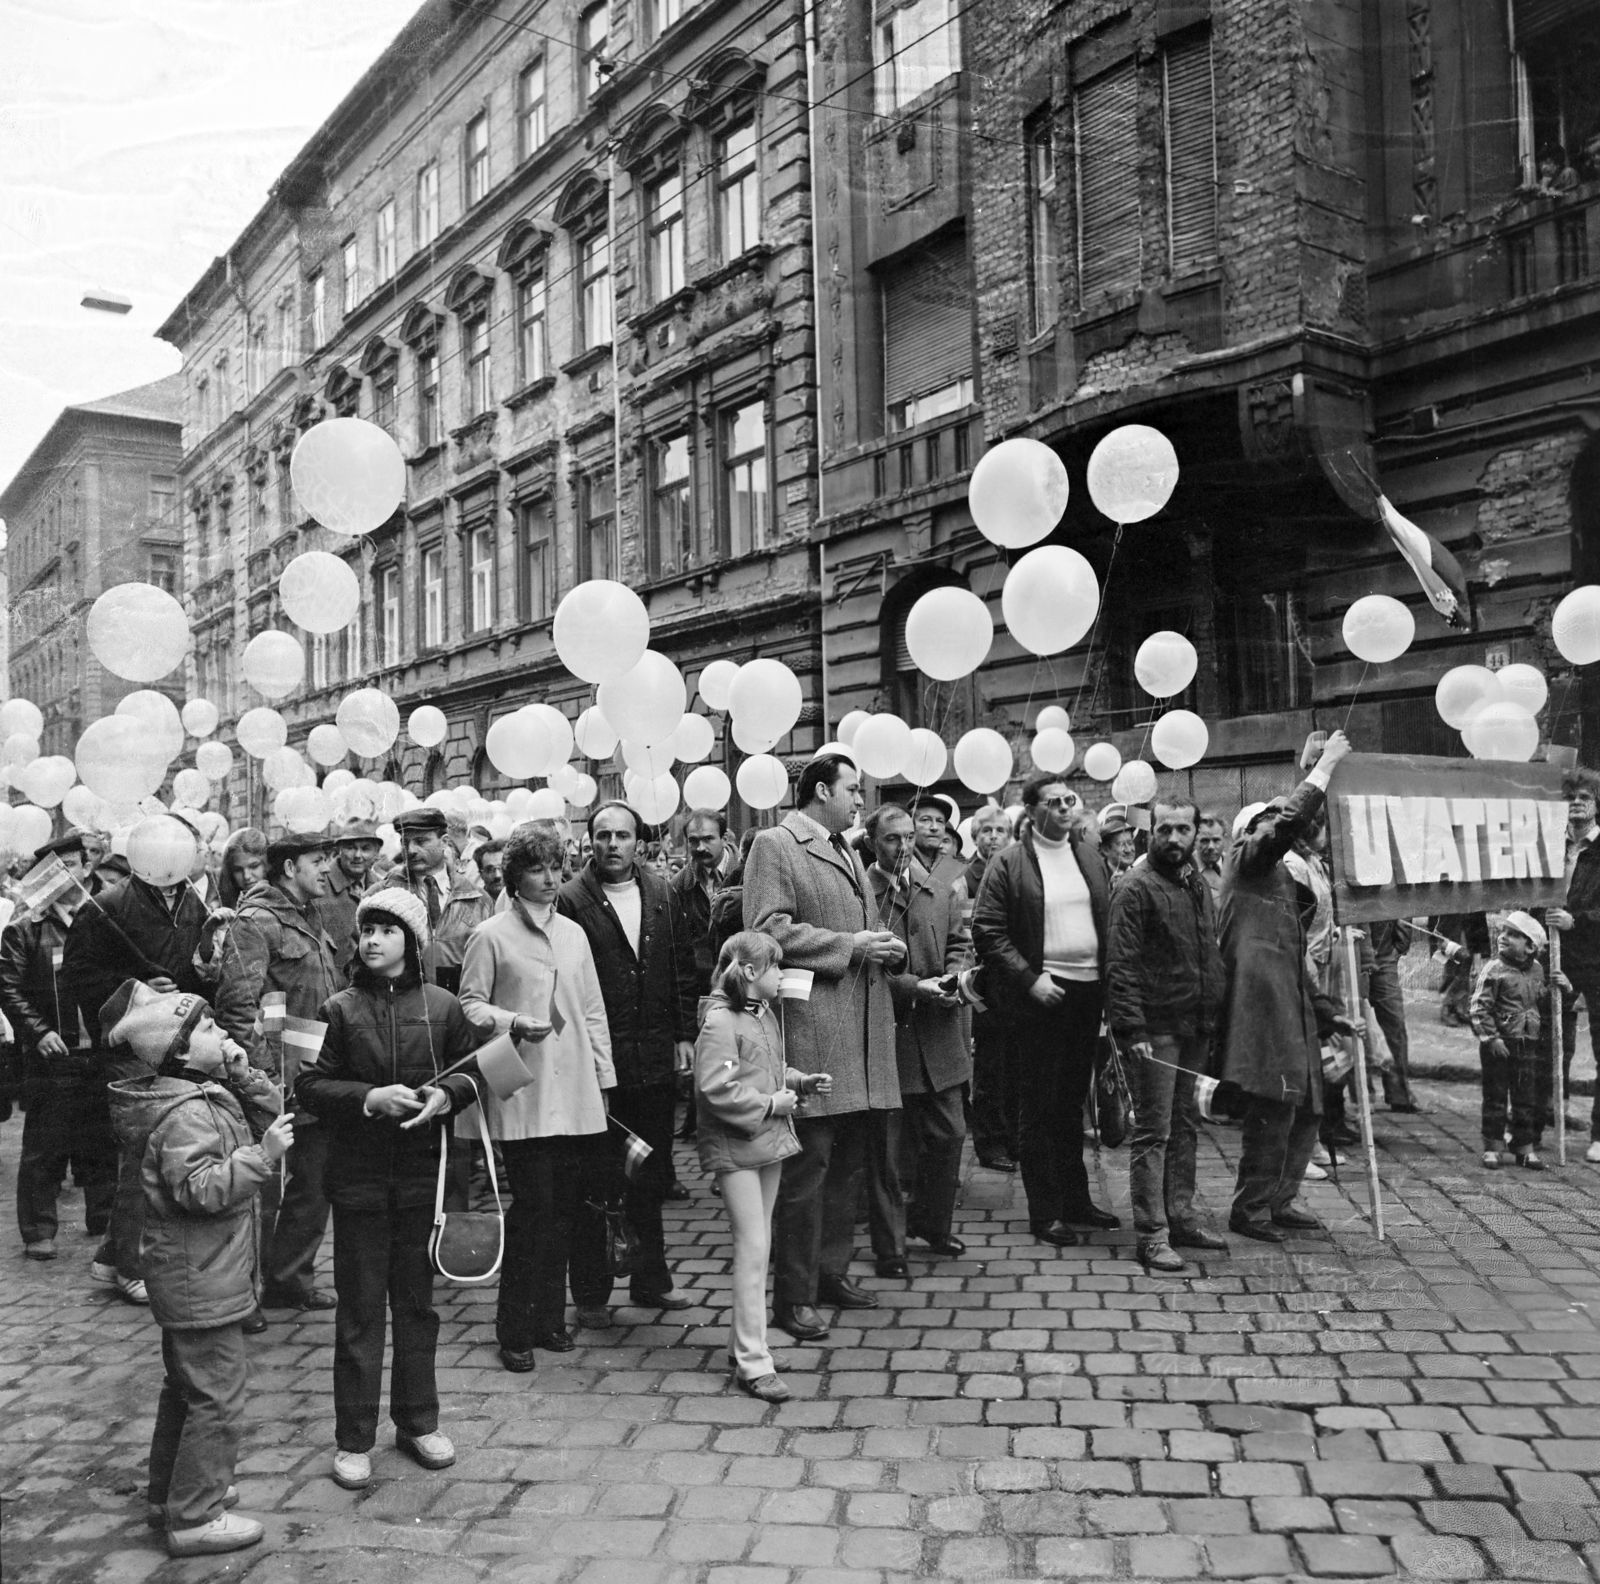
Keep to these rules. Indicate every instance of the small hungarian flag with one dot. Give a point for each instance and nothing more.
(274, 1009)
(635, 1152)
(1437, 570)
(44, 884)
(794, 984)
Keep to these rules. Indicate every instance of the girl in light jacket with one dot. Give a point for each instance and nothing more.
(529, 972)
(745, 1096)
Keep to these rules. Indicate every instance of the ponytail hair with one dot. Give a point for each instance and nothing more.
(747, 948)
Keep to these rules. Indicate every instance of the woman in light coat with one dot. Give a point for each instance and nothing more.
(528, 972)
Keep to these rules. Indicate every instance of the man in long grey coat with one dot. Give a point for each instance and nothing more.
(808, 890)
(1274, 1016)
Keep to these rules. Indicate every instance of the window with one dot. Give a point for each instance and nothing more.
(1107, 147)
(1264, 643)
(319, 660)
(221, 376)
(427, 204)
(433, 597)
(597, 507)
(594, 290)
(663, 13)
(1044, 258)
(927, 333)
(384, 242)
(352, 641)
(593, 29)
(319, 311)
(477, 158)
(538, 571)
(738, 191)
(202, 403)
(1191, 154)
(480, 579)
(389, 600)
(530, 330)
(475, 349)
(164, 498)
(286, 335)
(664, 200)
(255, 358)
(1557, 73)
(163, 570)
(427, 398)
(744, 468)
(532, 124)
(672, 512)
(383, 397)
(351, 264)
(915, 47)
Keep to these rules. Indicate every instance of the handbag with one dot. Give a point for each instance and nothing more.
(467, 1246)
(1113, 1099)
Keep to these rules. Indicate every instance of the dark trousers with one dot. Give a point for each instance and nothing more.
(1511, 1086)
(68, 1124)
(935, 1127)
(1278, 1142)
(380, 1261)
(1589, 989)
(650, 1110)
(120, 1246)
(551, 1178)
(1389, 1007)
(199, 1420)
(996, 1108)
(1055, 1065)
(296, 1217)
(1161, 1153)
(813, 1223)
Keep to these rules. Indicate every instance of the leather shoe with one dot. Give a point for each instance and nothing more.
(1296, 1220)
(315, 1299)
(1057, 1232)
(802, 1322)
(664, 1300)
(557, 1341)
(893, 1267)
(1092, 1216)
(1197, 1237)
(1158, 1258)
(594, 1317)
(677, 1191)
(1261, 1231)
(843, 1293)
(1000, 1163)
(1405, 1107)
(519, 1360)
(765, 1388)
(254, 1323)
(951, 1246)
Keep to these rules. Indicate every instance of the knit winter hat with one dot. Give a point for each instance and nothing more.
(1527, 924)
(152, 1023)
(411, 910)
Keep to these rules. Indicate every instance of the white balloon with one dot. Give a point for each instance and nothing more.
(716, 681)
(17, 751)
(1165, 664)
(881, 745)
(765, 698)
(8, 823)
(138, 631)
(190, 789)
(600, 630)
(320, 592)
(1575, 626)
(31, 828)
(114, 760)
(214, 760)
(925, 758)
(1132, 473)
(81, 807)
(1519, 684)
(47, 780)
(427, 726)
(305, 810)
(762, 781)
(547, 804)
(370, 722)
(694, 739)
(949, 633)
(1502, 731)
(1179, 739)
(348, 474)
(1018, 493)
(261, 731)
(338, 781)
(1050, 599)
(1460, 688)
(1378, 629)
(518, 745)
(1102, 761)
(162, 850)
(274, 664)
(706, 787)
(1052, 718)
(839, 749)
(284, 767)
(21, 715)
(199, 717)
(160, 718)
(655, 800)
(585, 792)
(647, 701)
(594, 735)
(650, 760)
(1052, 751)
(750, 739)
(850, 725)
(983, 760)
(326, 745)
(1135, 782)
(559, 730)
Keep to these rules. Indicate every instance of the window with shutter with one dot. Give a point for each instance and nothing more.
(1191, 155)
(1107, 145)
(927, 328)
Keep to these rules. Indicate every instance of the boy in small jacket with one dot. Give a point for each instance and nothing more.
(1509, 1008)
(745, 1096)
(188, 1124)
(377, 1085)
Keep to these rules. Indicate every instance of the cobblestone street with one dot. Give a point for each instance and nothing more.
(1429, 1406)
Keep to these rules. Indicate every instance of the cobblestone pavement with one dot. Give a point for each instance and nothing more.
(1429, 1406)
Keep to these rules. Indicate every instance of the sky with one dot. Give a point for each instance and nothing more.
(137, 139)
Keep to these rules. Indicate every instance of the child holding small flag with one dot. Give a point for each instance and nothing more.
(745, 1096)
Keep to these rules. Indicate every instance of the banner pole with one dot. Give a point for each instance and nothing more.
(1363, 1100)
(1559, 1085)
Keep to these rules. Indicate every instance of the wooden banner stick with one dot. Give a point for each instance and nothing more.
(1364, 1100)
(1559, 1084)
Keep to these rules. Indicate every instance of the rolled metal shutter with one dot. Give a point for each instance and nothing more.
(1107, 148)
(1191, 155)
(927, 320)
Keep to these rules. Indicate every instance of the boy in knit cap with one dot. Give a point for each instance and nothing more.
(188, 1122)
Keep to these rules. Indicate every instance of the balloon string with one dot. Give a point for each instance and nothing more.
(1088, 654)
(1365, 667)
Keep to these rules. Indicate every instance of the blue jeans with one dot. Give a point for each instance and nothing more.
(1161, 1153)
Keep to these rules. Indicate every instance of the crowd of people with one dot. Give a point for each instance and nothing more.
(843, 996)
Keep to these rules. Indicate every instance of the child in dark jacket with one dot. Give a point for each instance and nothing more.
(376, 1084)
(1509, 1010)
(187, 1126)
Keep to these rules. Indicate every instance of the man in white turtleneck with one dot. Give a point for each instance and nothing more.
(1039, 924)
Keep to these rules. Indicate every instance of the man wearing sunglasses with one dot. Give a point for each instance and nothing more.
(1040, 925)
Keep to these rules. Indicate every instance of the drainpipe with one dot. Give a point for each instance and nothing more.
(616, 365)
(816, 342)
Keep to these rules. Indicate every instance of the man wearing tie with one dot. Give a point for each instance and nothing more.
(457, 903)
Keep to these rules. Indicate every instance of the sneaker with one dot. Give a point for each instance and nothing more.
(1314, 1173)
(227, 1533)
(106, 1275)
(132, 1290)
(1530, 1161)
(433, 1451)
(1320, 1156)
(155, 1513)
(1592, 1154)
(44, 1249)
(352, 1470)
(1491, 1160)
